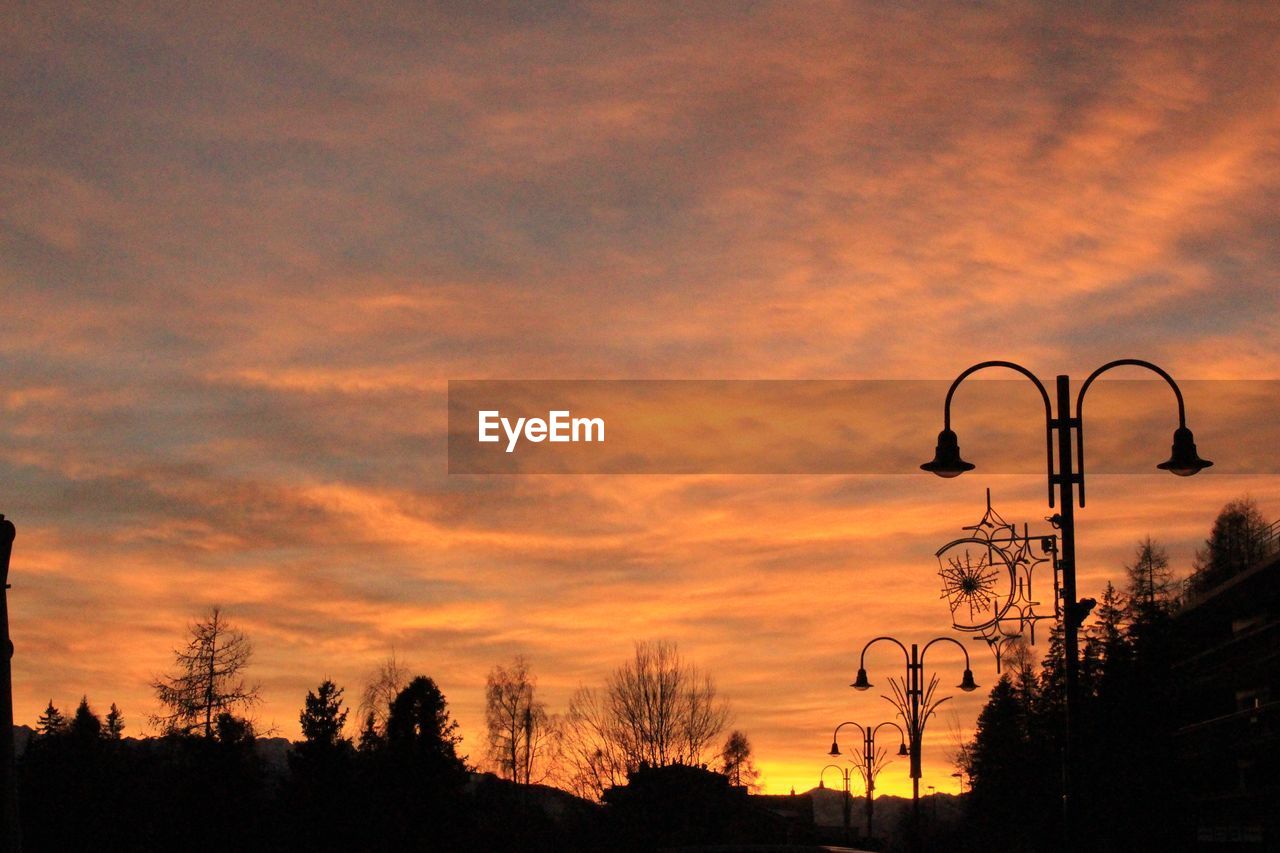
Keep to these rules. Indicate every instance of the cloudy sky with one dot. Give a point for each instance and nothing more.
(242, 251)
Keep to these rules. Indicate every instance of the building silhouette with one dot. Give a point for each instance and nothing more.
(1228, 740)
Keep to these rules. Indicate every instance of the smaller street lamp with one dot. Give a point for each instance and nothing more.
(846, 774)
(872, 761)
(915, 701)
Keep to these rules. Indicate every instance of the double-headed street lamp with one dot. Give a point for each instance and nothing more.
(915, 700)
(846, 774)
(1183, 461)
(870, 762)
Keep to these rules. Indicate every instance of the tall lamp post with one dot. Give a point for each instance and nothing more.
(12, 833)
(916, 703)
(1066, 475)
(870, 759)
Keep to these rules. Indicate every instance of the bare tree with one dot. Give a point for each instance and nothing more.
(588, 756)
(959, 747)
(384, 686)
(663, 709)
(657, 709)
(518, 727)
(207, 680)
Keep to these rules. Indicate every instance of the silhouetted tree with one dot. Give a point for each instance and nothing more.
(208, 679)
(1110, 622)
(414, 779)
(1125, 713)
(85, 725)
(1236, 542)
(323, 718)
(51, 722)
(516, 723)
(1005, 769)
(323, 766)
(1150, 580)
(384, 686)
(233, 730)
(419, 722)
(656, 709)
(114, 727)
(590, 758)
(666, 710)
(370, 738)
(736, 761)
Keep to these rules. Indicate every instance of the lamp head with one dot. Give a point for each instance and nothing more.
(967, 684)
(835, 749)
(946, 460)
(902, 749)
(861, 683)
(1184, 461)
(822, 785)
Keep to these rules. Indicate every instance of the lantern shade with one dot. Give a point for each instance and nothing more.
(1183, 459)
(967, 684)
(946, 460)
(861, 683)
(835, 749)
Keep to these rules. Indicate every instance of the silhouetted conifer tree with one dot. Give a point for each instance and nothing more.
(1236, 542)
(415, 776)
(51, 722)
(1126, 783)
(85, 725)
(370, 738)
(114, 727)
(736, 762)
(323, 717)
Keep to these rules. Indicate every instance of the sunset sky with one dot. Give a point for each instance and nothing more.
(242, 252)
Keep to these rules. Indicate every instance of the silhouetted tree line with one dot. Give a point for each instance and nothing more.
(206, 783)
(402, 786)
(1127, 783)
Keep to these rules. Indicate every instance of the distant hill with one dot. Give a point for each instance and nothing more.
(22, 736)
(889, 810)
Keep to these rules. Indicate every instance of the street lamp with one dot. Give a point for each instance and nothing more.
(1183, 460)
(871, 761)
(846, 773)
(915, 700)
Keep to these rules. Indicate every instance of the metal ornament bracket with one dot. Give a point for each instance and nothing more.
(988, 580)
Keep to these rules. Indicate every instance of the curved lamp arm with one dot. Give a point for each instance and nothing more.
(1122, 362)
(967, 683)
(861, 683)
(902, 736)
(901, 733)
(835, 746)
(824, 770)
(1044, 395)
